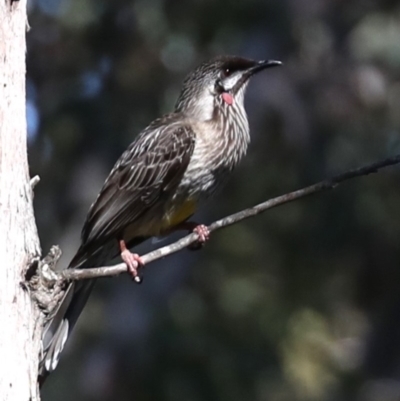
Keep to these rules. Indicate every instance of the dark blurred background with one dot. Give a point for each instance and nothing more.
(301, 303)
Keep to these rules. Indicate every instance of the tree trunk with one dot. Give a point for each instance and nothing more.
(19, 317)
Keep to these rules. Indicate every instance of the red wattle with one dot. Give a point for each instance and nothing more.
(227, 98)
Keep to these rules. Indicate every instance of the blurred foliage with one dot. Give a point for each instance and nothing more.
(302, 303)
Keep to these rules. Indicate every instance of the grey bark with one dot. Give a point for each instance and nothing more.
(20, 319)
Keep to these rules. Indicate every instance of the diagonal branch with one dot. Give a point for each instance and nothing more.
(322, 186)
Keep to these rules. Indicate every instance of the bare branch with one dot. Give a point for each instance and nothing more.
(80, 274)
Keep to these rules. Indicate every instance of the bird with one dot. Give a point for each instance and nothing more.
(174, 165)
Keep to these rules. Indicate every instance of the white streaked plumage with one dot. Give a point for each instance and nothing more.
(175, 163)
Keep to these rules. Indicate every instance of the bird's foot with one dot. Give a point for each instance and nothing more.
(203, 232)
(133, 261)
(200, 229)
(204, 235)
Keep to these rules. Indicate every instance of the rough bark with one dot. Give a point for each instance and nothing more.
(19, 245)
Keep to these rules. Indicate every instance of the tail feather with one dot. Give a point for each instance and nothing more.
(56, 346)
(63, 319)
(58, 329)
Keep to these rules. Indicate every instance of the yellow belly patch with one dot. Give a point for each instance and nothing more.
(172, 218)
(179, 214)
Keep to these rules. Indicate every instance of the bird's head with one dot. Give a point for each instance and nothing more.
(222, 80)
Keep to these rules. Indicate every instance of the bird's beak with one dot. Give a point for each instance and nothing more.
(262, 65)
(243, 76)
(234, 82)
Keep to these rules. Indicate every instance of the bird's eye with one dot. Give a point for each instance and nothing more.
(227, 72)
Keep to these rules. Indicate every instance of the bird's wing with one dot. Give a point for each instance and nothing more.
(148, 171)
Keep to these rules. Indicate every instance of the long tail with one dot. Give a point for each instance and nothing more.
(63, 319)
(58, 329)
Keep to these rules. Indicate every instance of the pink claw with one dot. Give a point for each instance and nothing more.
(132, 260)
(203, 232)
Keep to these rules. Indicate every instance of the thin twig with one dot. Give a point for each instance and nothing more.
(106, 271)
(34, 181)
